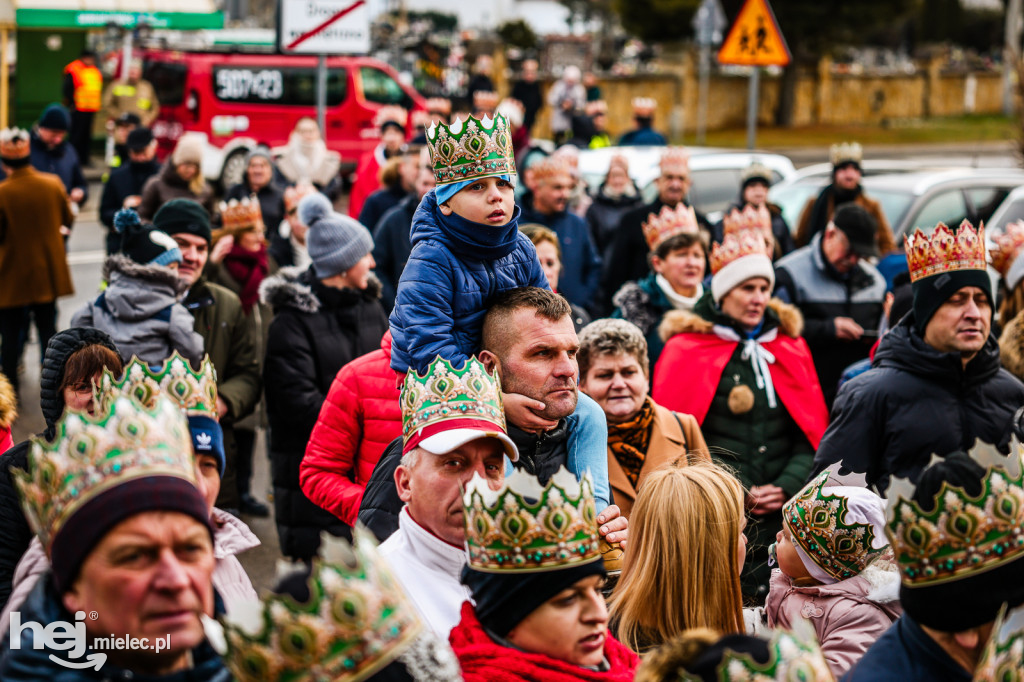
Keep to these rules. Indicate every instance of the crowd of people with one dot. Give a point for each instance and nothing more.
(516, 431)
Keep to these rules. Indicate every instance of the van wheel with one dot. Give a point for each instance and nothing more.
(233, 171)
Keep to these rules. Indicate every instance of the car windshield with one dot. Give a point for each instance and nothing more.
(792, 198)
(894, 203)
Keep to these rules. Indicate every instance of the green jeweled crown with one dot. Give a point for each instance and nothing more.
(356, 621)
(1003, 657)
(445, 394)
(526, 527)
(91, 454)
(795, 655)
(194, 392)
(963, 534)
(471, 149)
(819, 524)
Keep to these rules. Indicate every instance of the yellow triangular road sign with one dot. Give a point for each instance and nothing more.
(755, 38)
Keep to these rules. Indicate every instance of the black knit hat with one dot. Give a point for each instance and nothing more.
(179, 216)
(139, 139)
(931, 292)
(503, 600)
(144, 244)
(55, 117)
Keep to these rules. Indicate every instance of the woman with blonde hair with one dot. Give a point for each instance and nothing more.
(688, 516)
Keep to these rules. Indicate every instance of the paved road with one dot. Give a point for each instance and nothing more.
(85, 255)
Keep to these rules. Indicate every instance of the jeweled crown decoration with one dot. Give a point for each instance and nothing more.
(1008, 246)
(1003, 657)
(527, 527)
(238, 216)
(662, 226)
(817, 522)
(945, 251)
(471, 149)
(962, 534)
(794, 655)
(444, 393)
(357, 620)
(736, 245)
(14, 143)
(846, 152)
(195, 392)
(91, 454)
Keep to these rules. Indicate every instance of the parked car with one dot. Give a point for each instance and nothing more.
(715, 172)
(237, 101)
(1010, 211)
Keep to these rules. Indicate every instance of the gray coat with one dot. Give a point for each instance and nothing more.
(141, 312)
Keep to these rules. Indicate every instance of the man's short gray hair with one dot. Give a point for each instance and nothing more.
(611, 337)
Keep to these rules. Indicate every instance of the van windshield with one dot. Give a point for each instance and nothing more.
(277, 85)
(168, 81)
(381, 88)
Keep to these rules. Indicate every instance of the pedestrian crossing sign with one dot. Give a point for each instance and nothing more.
(755, 38)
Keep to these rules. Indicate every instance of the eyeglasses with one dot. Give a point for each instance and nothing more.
(292, 211)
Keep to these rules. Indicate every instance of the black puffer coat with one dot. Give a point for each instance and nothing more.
(916, 401)
(316, 330)
(15, 534)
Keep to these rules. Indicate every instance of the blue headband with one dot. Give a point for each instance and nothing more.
(446, 192)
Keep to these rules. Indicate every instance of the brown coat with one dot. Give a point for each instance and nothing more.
(668, 442)
(886, 242)
(168, 185)
(33, 265)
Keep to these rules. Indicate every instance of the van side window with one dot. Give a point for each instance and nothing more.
(381, 88)
(273, 85)
(168, 81)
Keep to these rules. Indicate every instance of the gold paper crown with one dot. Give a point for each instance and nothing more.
(750, 218)
(91, 454)
(667, 224)
(14, 143)
(550, 167)
(757, 170)
(526, 527)
(962, 535)
(239, 216)
(194, 392)
(357, 620)
(794, 655)
(818, 524)
(943, 251)
(471, 149)
(1008, 245)
(1003, 657)
(598, 106)
(445, 394)
(420, 119)
(441, 105)
(847, 152)
(485, 99)
(644, 106)
(736, 245)
(619, 160)
(675, 156)
(391, 113)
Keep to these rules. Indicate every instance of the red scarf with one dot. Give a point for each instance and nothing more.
(484, 660)
(248, 268)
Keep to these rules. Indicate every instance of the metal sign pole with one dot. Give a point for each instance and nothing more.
(752, 106)
(321, 94)
(702, 98)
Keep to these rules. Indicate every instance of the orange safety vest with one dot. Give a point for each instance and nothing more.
(88, 85)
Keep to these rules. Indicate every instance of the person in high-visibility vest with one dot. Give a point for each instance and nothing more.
(83, 90)
(132, 96)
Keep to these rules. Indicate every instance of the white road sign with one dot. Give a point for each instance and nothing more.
(325, 27)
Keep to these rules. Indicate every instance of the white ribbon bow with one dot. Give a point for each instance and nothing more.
(758, 356)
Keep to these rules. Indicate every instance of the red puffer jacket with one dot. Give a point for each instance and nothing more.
(358, 420)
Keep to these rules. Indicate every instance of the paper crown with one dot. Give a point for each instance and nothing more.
(644, 106)
(420, 119)
(550, 167)
(485, 99)
(92, 454)
(794, 655)
(238, 216)
(445, 397)
(192, 391)
(738, 244)
(943, 251)
(757, 170)
(526, 527)
(1003, 657)
(619, 160)
(513, 111)
(847, 152)
(598, 106)
(675, 156)
(439, 105)
(661, 227)
(391, 113)
(14, 143)
(819, 525)
(357, 620)
(750, 218)
(962, 534)
(471, 149)
(1008, 246)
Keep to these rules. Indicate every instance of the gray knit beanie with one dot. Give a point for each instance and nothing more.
(336, 243)
(312, 207)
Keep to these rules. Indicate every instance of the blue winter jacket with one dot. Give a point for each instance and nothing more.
(442, 298)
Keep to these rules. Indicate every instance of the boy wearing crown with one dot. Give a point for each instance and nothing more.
(936, 381)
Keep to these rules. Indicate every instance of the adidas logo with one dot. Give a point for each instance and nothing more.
(203, 440)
